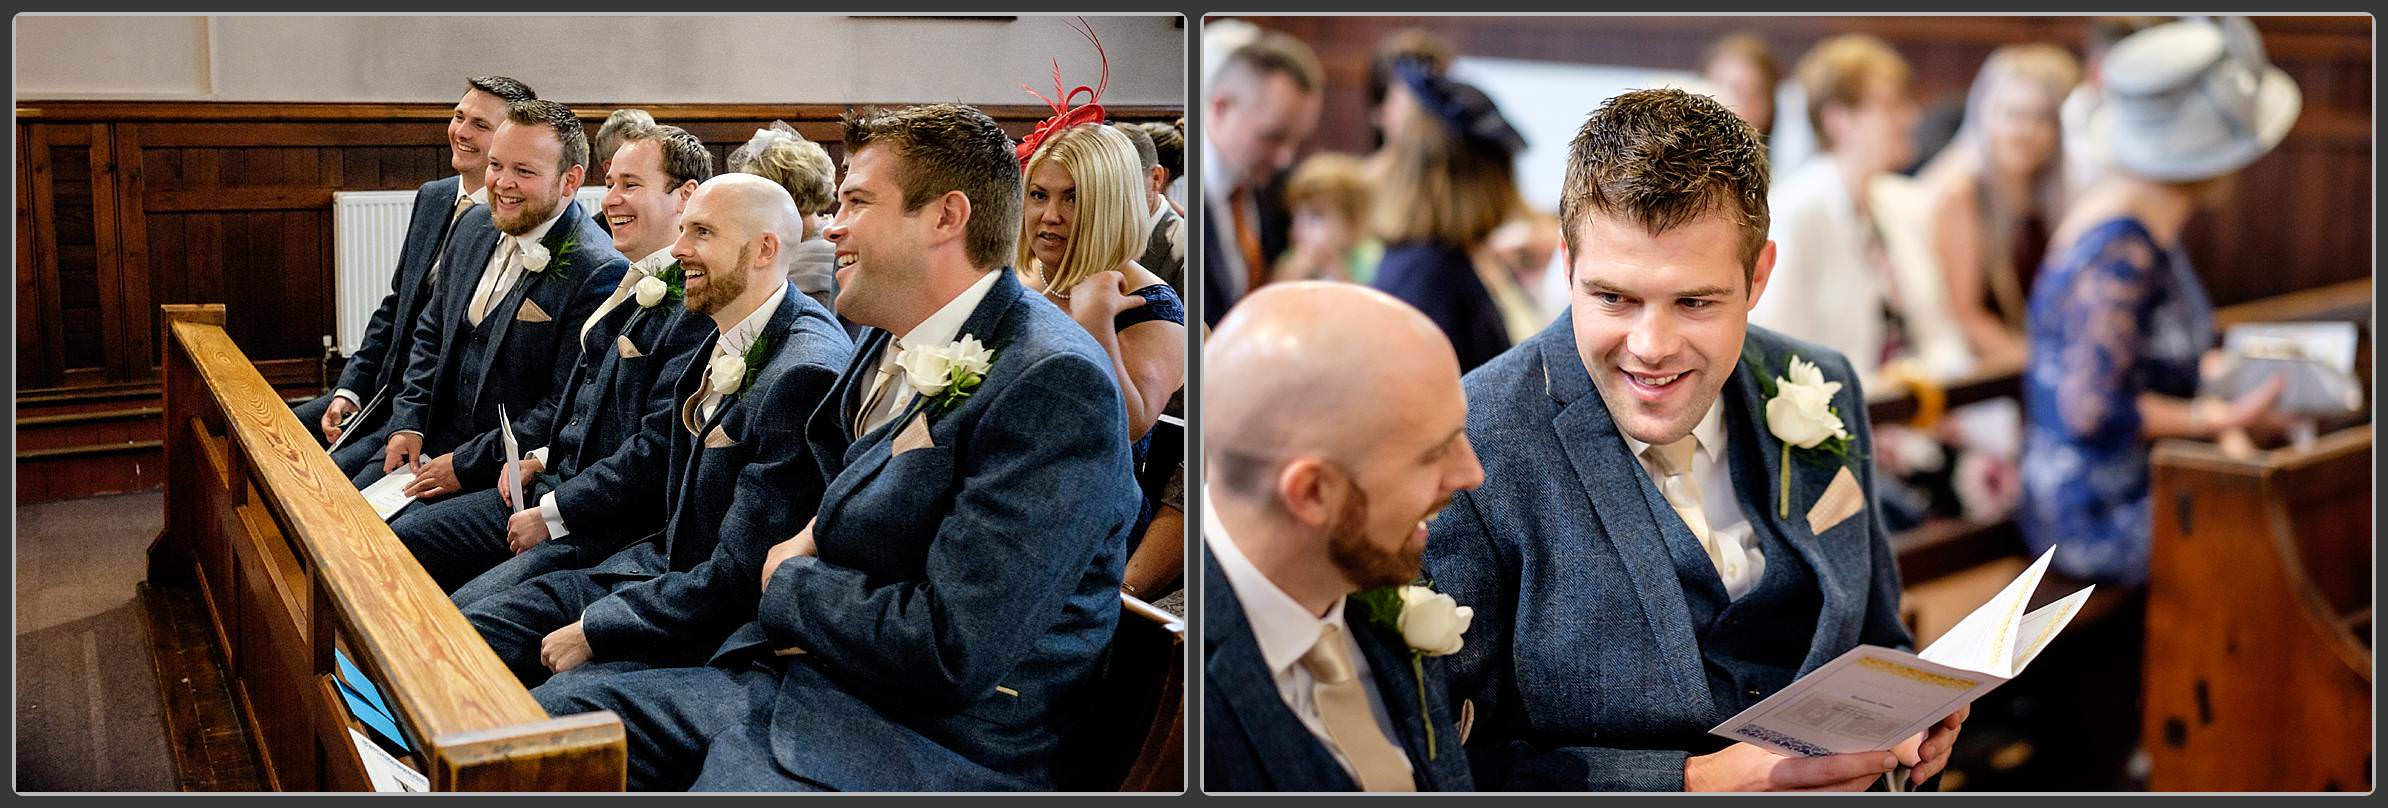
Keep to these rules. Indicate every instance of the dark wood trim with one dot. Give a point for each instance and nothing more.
(132, 232)
(47, 330)
(217, 200)
(280, 372)
(91, 450)
(111, 271)
(93, 417)
(174, 112)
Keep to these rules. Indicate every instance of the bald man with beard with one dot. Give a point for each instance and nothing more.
(1308, 506)
(739, 474)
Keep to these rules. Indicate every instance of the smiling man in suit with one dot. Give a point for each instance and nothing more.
(378, 367)
(1637, 573)
(1304, 688)
(517, 282)
(631, 352)
(737, 468)
(937, 625)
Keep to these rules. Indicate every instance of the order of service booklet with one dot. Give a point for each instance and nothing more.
(1872, 697)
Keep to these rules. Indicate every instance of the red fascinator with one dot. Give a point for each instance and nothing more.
(1065, 115)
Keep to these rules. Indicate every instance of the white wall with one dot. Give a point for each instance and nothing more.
(592, 59)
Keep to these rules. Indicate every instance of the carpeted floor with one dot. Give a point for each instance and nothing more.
(87, 700)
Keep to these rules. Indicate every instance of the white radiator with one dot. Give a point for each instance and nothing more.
(368, 231)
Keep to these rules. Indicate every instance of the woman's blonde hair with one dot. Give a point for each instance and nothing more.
(781, 155)
(1108, 226)
(1441, 187)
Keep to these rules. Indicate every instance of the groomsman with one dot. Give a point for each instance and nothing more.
(518, 281)
(938, 623)
(728, 451)
(1305, 687)
(631, 350)
(379, 365)
(1637, 571)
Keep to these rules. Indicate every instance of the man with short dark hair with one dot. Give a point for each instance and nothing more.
(1708, 545)
(1264, 102)
(609, 139)
(1164, 230)
(631, 351)
(378, 367)
(500, 329)
(938, 624)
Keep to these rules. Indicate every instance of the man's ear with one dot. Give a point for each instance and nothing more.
(1304, 487)
(687, 189)
(767, 247)
(953, 215)
(572, 178)
(1761, 272)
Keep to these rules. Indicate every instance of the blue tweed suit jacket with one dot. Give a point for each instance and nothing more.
(1252, 742)
(381, 358)
(964, 591)
(631, 365)
(527, 360)
(1582, 663)
(687, 587)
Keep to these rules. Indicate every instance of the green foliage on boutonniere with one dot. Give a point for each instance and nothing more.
(1430, 624)
(1800, 412)
(756, 354)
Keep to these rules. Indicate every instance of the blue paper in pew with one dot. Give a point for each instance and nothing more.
(366, 702)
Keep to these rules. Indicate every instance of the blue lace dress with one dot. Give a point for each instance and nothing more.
(1161, 304)
(2113, 316)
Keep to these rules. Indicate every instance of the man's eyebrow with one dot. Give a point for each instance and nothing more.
(1711, 290)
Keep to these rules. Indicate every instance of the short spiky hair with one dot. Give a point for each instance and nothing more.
(506, 88)
(1663, 158)
(951, 147)
(1169, 145)
(1147, 155)
(684, 156)
(559, 119)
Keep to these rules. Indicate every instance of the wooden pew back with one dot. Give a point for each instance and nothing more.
(1134, 738)
(2257, 678)
(292, 562)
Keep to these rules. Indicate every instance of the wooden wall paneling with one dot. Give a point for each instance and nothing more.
(38, 272)
(109, 257)
(139, 337)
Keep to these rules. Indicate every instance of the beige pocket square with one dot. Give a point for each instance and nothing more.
(1467, 719)
(914, 436)
(531, 313)
(719, 439)
(1842, 499)
(629, 351)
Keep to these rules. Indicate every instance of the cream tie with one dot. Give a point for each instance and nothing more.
(463, 203)
(490, 286)
(1674, 462)
(1342, 702)
(866, 417)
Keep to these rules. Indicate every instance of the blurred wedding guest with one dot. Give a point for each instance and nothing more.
(1080, 232)
(1745, 73)
(777, 153)
(1646, 556)
(2118, 319)
(1853, 269)
(1995, 191)
(1329, 195)
(1388, 96)
(376, 371)
(1263, 104)
(1314, 647)
(609, 139)
(1164, 230)
(2082, 166)
(1447, 182)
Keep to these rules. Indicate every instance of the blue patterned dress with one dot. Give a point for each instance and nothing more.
(1161, 304)
(2113, 316)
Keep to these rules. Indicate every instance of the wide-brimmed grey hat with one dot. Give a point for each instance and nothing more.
(2190, 100)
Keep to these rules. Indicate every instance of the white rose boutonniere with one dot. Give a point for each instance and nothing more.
(1430, 623)
(727, 374)
(946, 374)
(1800, 412)
(650, 291)
(535, 256)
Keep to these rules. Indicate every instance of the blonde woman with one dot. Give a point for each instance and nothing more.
(781, 155)
(1995, 191)
(1080, 232)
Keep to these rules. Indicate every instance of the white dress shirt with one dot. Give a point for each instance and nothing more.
(1743, 561)
(1285, 631)
(940, 328)
(645, 266)
(640, 270)
(479, 197)
(505, 267)
(736, 341)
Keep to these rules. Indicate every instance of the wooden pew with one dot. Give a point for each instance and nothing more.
(2258, 672)
(1135, 733)
(292, 563)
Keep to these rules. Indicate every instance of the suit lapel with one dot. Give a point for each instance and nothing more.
(1390, 660)
(1756, 456)
(831, 431)
(1597, 453)
(868, 452)
(1290, 757)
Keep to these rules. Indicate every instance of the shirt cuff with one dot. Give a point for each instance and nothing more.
(351, 395)
(553, 515)
(540, 454)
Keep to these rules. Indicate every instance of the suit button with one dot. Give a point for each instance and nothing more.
(1753, 692)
